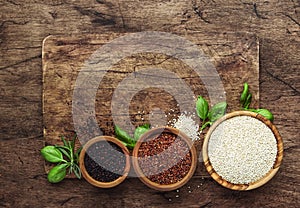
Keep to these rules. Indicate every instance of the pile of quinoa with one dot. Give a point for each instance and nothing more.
(242, 149)
(165, 159)
(105, 161)
(186, 123)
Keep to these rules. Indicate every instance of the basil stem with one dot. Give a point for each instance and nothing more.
(208, 123)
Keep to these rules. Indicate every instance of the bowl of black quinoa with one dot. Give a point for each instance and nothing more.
(164, 158)
(104, 162)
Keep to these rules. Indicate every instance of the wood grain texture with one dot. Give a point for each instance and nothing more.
(24, 25)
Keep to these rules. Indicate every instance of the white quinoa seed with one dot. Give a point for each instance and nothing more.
(242, 149)
(187, 125)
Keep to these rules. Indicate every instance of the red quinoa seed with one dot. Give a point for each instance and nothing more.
(165, 159)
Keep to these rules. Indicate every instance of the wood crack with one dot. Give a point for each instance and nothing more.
(257, 13)
(12, 2)
(291, 148)
(200, 14)
(291, 18)
(108, 4)
(63, 202)
(205, 205)
(24, 48)
(23, 61)
(97, 17)
(284, 82)
(12, 22)
(21, 161)
(23, 138)
(155, 63)
(38, 176)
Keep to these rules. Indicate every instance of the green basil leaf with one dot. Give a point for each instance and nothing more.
(52, 154)
(70, 145)
(64, 150)
(244, 94)
(77, 171)
(57, 173)
(71, 169)
(73, 142)
(266, 113)
(123, 136)
(130, 145)
(248, 101)
(202, 108)
(139, 131)
(217, 111)
(64, 141)
(77, 153)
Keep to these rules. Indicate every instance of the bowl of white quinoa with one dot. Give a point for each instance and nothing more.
(242, 150)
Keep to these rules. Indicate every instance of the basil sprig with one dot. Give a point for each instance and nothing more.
(245, 100)
(209, 116)
(66, 157)
(127, 139)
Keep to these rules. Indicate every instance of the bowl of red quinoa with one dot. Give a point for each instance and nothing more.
(242, 150)
(164, 158)
(104, 162)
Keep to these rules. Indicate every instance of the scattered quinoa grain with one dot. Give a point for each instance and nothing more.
(187, 125)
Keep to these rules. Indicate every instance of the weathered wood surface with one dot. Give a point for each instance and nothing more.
(24, 24)
(235, 57)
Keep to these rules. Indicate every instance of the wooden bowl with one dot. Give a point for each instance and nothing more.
(152, 134)
(86, 175)
(253, 185)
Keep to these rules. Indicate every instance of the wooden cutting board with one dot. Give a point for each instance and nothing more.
(234, 55)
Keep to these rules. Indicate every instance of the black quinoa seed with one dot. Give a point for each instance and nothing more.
(105, 161)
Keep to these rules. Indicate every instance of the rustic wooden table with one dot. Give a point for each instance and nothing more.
(24, 25)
